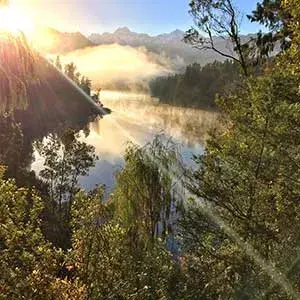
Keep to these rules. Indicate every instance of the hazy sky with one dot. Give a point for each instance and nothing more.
(87, 16)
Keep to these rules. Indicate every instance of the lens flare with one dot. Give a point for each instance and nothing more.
(13, 21)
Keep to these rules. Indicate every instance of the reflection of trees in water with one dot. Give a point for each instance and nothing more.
(36, 99)
(95, 126)
(187, 124)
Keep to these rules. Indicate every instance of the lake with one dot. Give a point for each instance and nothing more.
(138, 118)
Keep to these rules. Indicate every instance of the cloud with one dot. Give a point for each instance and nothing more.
(119, 66)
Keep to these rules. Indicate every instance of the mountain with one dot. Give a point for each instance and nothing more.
(168, 44)
(40, 97)
(53, 103)
(53, 41)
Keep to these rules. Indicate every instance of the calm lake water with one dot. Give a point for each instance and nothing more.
(138, 118)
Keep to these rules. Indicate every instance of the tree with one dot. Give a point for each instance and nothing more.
(197, 86)
(28, 262)
(217, 19)
(291, 58)
(66, 158)
(144, 196)
(110, 263)
(272, 15)
(70, 71)
(11, 138)
(16, 71)
(58, 63)
(86, 85)
(242, 234)
(99, 250)
(82, 81)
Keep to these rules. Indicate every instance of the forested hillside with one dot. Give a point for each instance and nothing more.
(197, 86)
(36, 99)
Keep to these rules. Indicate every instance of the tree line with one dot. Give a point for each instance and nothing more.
(197, 86)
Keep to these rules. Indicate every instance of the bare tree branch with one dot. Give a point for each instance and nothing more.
(217, 19)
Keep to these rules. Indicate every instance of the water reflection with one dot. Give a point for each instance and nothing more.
(187, 125)
(138, 118)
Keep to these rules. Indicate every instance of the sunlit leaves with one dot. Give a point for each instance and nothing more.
(28, 263)
(106, 260)
(16, 71)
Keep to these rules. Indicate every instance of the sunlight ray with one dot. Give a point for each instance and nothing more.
(276, 276)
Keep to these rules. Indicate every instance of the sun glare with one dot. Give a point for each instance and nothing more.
(13, 21)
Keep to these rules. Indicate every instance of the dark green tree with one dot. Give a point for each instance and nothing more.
(66, 159)
(11, 145)
(86, 85)
(197, 86)
(71, 72)
(116, 245)
(145, 187)
(273, 16)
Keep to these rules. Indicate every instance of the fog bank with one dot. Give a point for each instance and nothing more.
(120, 67)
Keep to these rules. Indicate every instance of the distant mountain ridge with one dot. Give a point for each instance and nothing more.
(54, 41)
(169, 44)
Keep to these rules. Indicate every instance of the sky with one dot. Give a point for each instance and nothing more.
(89, 16)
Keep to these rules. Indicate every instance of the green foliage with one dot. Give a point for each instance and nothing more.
(117, 250)
(70, 71)
(83, 82)
(66, 159)
(16, 70)
(103, 255)
(198, 86)
(240, 233)
(272, 15)
(98, 247)
(144, 195)
(291, 57)
(15, 152)
(11, 139)
(248, 177)
(28, 262)
(86, 85)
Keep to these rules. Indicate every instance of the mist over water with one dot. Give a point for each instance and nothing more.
(117, 67)
(138, 118)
